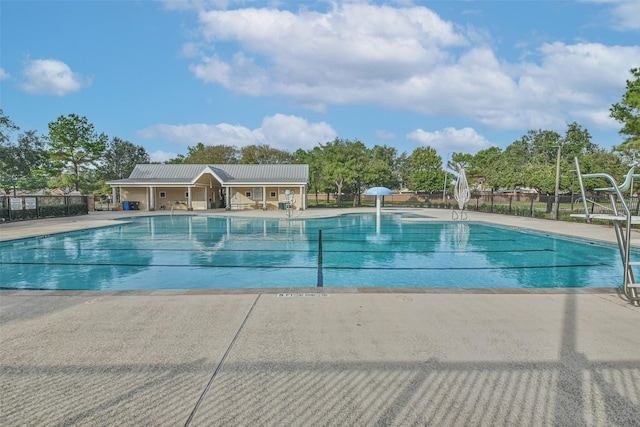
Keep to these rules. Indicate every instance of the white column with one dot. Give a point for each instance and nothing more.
(152, 198)
(189, 191)
(303, 198)
(113, 195)
(264, 197)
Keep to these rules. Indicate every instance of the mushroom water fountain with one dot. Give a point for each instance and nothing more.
(378, 192)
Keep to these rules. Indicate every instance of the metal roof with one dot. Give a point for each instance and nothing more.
(226, 174)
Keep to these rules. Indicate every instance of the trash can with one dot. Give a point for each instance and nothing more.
(134, 206)
(125, 206)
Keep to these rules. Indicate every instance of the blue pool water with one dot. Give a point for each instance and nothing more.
(165, 252)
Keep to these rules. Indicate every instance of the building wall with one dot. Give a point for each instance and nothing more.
(240, 199)
(135, 195)
(177, 198)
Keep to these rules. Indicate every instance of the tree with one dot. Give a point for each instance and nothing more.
(75, 143)
(627, 112)
(483, 166)
(23, 162)
(211, 154)
(531, 160)
(119, 159)
(403, 170)
(382, 170)
(7, 127)
(339, 164)
(426, 173)
(179, 159)
(359, 159)
(313, 158)
(263, 154)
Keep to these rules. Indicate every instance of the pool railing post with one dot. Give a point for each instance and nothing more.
(320, 278)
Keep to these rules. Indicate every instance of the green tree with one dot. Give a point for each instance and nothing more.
(74, 142)
(600, 161)
(483, 167)
(403, 170)
(627, 112)
(313, 158)
(7, 127)
(426, 173)
(119, 159)
(382, 170)
(359, 159)
(531, 160)
(263, 154)
(212, 154)
(339, 165)
(179, 159)
(24, 162)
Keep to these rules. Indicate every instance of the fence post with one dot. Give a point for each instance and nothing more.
(510, 203)
(532, 197)
(492, 201)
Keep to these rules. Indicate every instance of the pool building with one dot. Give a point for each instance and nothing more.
(203, 186)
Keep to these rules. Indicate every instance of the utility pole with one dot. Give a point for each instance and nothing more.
(556, 207)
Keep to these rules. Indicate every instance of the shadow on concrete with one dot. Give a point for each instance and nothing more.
(569, 391)
(127, 394)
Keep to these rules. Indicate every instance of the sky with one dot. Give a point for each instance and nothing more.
(458, 76)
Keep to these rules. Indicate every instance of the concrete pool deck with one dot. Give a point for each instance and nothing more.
(332, 357)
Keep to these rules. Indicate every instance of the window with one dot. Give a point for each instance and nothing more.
(247, 194)
(163, 194)
(272, 195)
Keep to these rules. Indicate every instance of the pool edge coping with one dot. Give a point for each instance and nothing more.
(306, 291)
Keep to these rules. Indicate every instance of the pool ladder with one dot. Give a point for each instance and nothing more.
(622, 222)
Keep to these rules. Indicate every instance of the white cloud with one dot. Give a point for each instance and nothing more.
(3, 74)
(465, 140)
(313, 56)
(51, 77)
(291, 132)
(407, 58)
(626, 13)
(162, 156)
(279, 131)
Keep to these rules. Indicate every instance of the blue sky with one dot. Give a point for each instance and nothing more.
(455, 75)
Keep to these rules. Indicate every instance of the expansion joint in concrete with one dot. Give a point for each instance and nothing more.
(219, 367)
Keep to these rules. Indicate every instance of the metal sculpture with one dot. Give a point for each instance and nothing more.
(462, 194)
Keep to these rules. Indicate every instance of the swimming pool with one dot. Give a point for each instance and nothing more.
(183, 252)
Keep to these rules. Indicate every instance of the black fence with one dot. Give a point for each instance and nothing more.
(519, 204)
(21, 208)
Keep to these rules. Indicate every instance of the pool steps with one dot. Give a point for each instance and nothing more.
(622, 222)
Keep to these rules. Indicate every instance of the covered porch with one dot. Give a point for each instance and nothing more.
(202, 187)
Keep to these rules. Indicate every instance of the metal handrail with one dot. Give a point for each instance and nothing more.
(628, 273)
